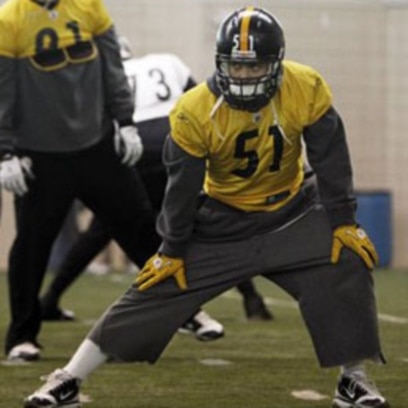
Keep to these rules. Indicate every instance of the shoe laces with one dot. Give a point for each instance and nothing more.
(56, 381)
(362, 383)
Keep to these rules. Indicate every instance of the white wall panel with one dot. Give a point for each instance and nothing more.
(360, 46)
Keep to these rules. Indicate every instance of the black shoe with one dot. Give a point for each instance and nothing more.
(60, 390)
(357, 392)
(255, 309)
(26, 351)
(203, 327)
(57, 315)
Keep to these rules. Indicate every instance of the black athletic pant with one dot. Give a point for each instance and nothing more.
(92, 241)
(111, 190)
(89, 244)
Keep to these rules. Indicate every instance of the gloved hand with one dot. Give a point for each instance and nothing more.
(13, 173)
(160, 267)
(128, 144)
(356, 239)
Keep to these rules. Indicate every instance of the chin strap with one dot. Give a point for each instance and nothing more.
(276, 122)
(216, 106)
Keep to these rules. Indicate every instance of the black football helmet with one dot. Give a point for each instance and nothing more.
(247, 36)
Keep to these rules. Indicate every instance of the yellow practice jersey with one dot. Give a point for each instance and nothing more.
(60, 64)
(29, 31)
(252, 157)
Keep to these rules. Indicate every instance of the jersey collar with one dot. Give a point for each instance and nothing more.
(47, 4)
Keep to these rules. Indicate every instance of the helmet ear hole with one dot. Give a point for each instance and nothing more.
(249, 35)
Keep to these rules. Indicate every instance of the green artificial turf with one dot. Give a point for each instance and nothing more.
(256, 364)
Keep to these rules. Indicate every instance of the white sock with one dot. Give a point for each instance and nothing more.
(355, 368)
(86, 359)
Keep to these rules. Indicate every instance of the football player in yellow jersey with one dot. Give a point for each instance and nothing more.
(63, 91)
(240, 133)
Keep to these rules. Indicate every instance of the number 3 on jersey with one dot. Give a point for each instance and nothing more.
(161, 90)
(252, 155)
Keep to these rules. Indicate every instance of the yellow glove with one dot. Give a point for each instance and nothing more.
(160, 267)
(357, 240)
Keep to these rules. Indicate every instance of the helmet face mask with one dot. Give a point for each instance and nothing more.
(249, 43)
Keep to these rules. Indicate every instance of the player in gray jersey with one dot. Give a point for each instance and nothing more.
(63, 92)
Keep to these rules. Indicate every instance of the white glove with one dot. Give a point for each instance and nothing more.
(13, 172)
(128, 145)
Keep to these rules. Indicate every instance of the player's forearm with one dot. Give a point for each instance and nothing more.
(185, 180)
(7, 101)
(118, 94)
(329, 157)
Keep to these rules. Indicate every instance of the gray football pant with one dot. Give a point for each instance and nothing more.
(337, 302)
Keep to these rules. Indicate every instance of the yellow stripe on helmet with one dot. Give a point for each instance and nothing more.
(244, 37)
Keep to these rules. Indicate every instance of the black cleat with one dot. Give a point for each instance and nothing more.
(203, 327)
(60, 390)
(358, 392)
(57, 315)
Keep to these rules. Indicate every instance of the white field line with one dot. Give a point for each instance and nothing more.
(308, 395)
(293, 305)
(392, 319)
